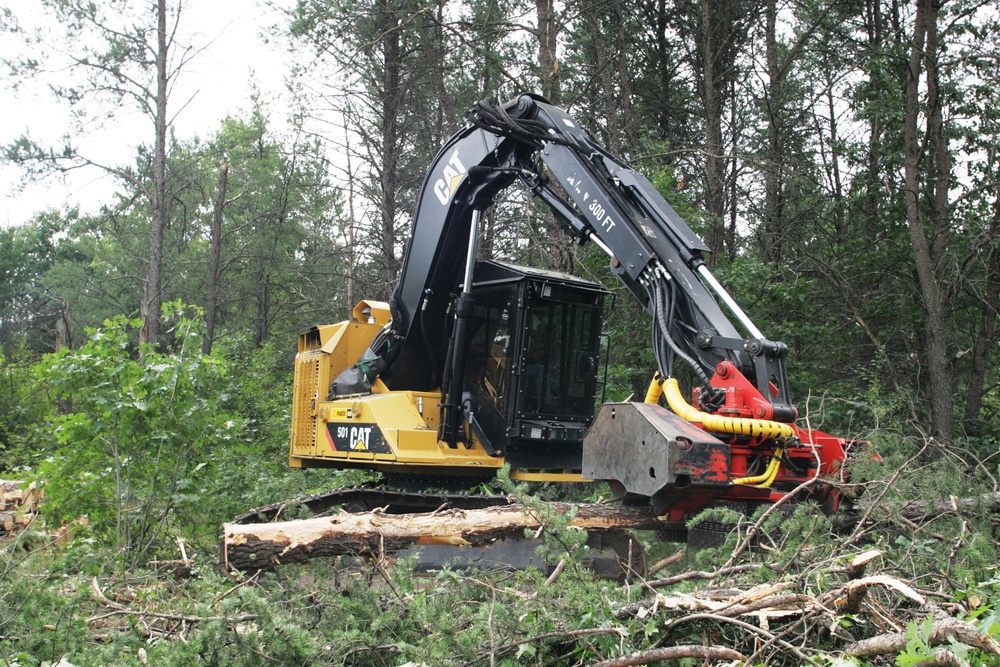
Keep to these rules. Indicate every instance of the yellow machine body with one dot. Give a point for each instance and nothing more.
(388, 431)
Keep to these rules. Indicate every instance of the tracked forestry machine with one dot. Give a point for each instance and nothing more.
(477, 364)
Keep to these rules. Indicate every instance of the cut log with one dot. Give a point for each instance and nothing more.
(264, 546)
(18, 506)
(12, 496)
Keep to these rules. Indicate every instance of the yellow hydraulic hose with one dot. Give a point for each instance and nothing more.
(768, 476)
(774, 473)
(655, 389)
(738, 425)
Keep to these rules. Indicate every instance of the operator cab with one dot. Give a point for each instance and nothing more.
(533, 361)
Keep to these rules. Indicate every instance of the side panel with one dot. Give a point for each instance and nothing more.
(391, 431)
(324, 352)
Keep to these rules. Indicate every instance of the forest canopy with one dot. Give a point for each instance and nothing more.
(839, 162)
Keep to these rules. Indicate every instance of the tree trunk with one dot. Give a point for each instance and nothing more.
(350, 221)
(591, 11)
(446, 108)
(392, 103)
(935, 310)
(261, 299)
(556, 246)
(873, 192)
(834, 169)
(264, 546)
(152, 296)
(982, 350)
(773, 172)
(664, 78)
(548, 40)
(63, 327)
(215, 254)
(715, 163)
(624, 78)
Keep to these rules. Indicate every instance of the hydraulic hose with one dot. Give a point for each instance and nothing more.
(776, 459)
(662, 317)
(655, 389)
(736, 425)
(770, 473)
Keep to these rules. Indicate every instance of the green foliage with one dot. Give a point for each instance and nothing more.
(918, 649)
(252, 470)
(20, 413)
(328, 614)
(136, 447)
(281, 247)
(359, 612)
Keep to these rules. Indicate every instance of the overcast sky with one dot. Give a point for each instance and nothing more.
(217, 84)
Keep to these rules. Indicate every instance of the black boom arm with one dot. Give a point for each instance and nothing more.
(653, 251)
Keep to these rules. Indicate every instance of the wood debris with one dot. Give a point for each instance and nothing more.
(893, 606)
(19, 505)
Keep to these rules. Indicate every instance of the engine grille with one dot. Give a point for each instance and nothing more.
(304, 401)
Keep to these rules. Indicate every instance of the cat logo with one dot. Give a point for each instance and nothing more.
(451, 178)
(360, 435)
(357, 438)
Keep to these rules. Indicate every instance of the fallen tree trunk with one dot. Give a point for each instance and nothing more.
(265, 546)
(941, 632)
(252, 547)
(916, 510)
(706, 653)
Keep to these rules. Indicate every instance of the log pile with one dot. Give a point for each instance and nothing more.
(18, 506)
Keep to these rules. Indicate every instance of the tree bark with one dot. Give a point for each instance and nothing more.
(215, 254)
(265, 546)
(923, 51)
(715, 163)
(152, 295)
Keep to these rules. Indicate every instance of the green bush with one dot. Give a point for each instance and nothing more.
(137, 446)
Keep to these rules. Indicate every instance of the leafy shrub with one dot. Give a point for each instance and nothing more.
(137, 445)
